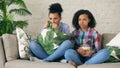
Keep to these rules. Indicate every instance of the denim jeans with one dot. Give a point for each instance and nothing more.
(40, 53)
(97, 58)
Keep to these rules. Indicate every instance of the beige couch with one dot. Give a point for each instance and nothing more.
(9, 57)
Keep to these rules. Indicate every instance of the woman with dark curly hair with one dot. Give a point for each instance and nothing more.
(37, 49)
(87, 41)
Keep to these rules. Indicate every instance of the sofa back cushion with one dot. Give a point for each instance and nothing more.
(10, 46)
(2, 56)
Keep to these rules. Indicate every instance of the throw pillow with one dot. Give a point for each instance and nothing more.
(115, 41)
(115, 54)
(23, 44)
(50, 38)
(114, 47)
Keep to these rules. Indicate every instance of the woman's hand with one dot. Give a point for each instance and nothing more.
(88, 53)
(55, 26)
(81, 51)
(46, 25)
(85, 52)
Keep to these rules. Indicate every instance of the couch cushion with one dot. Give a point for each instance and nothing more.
(2, 56)
(29, 64)
(105, 65)
(10, 46)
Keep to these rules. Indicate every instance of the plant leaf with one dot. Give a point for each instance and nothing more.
(1, 5)
(6, 27)
(21, 3)
(20, 11)
(0, 17)
(20, 24)
(7, 22)
(9, 2)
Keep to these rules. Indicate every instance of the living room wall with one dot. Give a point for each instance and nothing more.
(106, 13)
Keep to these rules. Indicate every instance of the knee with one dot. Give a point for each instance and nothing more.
(67, 43)
(105, 51)
(32, 44)
(69, 52)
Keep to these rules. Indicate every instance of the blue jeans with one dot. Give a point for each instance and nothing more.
(97, 58)
(40, 53)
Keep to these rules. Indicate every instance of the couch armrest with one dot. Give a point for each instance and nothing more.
(2, 55)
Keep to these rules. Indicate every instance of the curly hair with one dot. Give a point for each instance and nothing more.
(75, 24)
(55, 8)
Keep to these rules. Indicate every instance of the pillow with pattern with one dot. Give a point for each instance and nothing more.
(114, 54)
(50, 39)
(23, 44)
(114, 47)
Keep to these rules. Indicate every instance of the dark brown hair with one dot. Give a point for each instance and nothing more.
(75, 24)
(55, 8)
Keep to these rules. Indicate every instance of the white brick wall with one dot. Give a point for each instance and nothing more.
(106, 12)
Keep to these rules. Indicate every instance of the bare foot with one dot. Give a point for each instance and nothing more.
(72, 63)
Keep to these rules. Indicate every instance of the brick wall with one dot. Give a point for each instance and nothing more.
(106, 13)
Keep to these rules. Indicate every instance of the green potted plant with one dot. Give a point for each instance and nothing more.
(7, 21)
